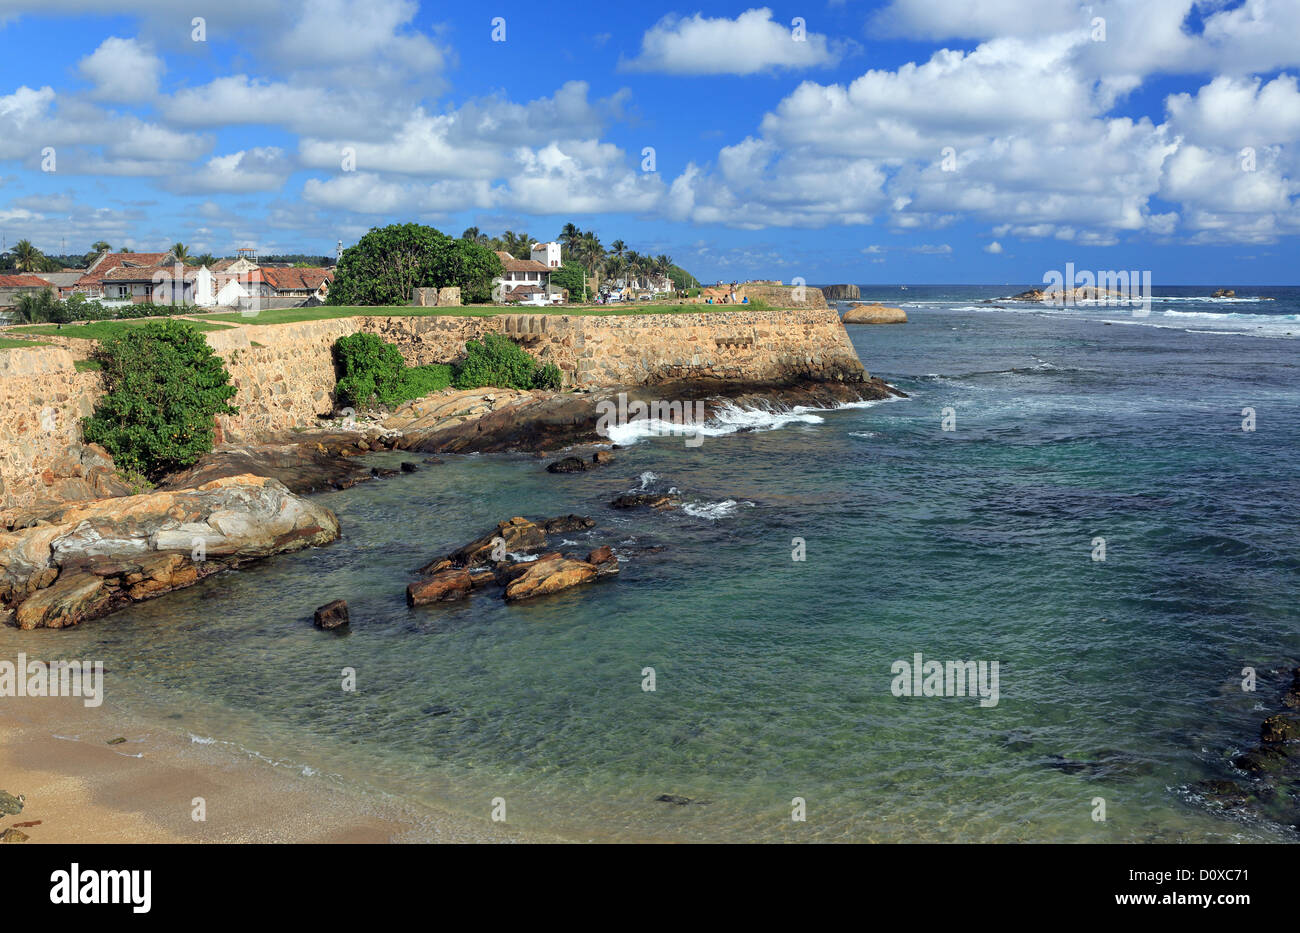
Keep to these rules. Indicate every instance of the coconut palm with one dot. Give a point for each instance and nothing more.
(180, 251)
(519, 245)
(472, 234)
(618, 248)
(27, 258)
(35, 307)
(569, 238)
(206, 259)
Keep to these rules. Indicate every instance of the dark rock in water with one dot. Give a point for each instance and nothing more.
(1260, 761)
(1292, 698)
(436, 461)
(568, 465)
(1224, 293)
(381, 472)
(602, 457)
(1278, 729)
(603, 559)
(674, 798)
(644, 500)
(332, 615)
(445, 586)
(117, 741)
(562, 524)
(409, 467)
(10, 805)
(1224, 793)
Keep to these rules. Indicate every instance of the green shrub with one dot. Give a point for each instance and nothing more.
(165, 386)
(425, 380)
(371, 370)
(495, 361)
(548, 376)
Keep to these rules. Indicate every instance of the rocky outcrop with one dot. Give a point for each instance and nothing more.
(874, 314)
(515, 556)
(305, 463)
(841, 292)
(536, 421)
(646, 500)
(80, 562)
(1069, 295)
(1224, 293)
(580, 464)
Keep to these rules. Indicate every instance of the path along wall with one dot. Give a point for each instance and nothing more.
(285, 372)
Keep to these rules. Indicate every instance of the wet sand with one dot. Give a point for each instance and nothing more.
(55, 752)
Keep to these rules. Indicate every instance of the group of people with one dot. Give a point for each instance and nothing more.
(728, 299)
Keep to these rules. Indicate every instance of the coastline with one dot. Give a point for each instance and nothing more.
(82, 790)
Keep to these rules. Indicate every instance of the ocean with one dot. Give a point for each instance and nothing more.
(1119, 680)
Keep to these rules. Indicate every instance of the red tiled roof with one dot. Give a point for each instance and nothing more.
(512, 264)
(106, 263)
(22, 281)
(305, 278)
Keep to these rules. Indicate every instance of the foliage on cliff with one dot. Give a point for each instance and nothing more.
(372, 370)
(499, 361)
(389, 262)
(165, 386)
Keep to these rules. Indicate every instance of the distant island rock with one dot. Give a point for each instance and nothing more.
(1224, 293)
(1082, 293)
(841, 292)
(874, 314)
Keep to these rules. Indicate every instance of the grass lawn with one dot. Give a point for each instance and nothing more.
(98, 330)
(8, 343)
(328, 312)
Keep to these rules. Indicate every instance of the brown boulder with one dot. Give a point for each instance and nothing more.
(874, 314)
(445, 586)
(332, 615)
(643, 500)
(550, 575)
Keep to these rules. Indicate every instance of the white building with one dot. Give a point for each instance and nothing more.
(548, 254)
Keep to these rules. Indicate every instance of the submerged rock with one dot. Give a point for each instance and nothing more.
(569, 465)
(1224, 293)
(332, 615)
(646, 500)
(11, 805)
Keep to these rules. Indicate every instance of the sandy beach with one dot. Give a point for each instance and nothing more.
(81, 789)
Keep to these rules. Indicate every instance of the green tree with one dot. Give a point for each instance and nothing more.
(180, 251)
(36, 307)
(165, 386)
(388, 263)
(100, 246)
(27, 258)
(572, 276)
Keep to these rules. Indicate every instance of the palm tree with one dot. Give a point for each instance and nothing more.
(471, 234)
(618, 248)
(35, 307)
(569, 238)
(100, 246)
(180, 251)
(591, 254)
(635, 264)
(207, 259)
(27, 258)
(519, 245)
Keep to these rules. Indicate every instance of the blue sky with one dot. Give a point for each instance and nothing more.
(899, 141)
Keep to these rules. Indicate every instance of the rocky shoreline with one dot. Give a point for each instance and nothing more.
(65, 563)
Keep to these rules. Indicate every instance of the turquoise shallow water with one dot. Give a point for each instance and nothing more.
(1118, 680)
